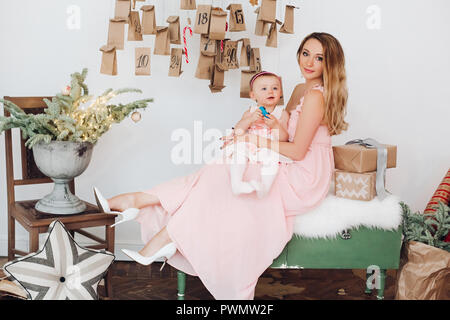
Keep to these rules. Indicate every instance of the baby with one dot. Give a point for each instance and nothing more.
(265, 89)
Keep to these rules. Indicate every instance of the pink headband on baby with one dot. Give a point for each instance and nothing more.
(262, 73)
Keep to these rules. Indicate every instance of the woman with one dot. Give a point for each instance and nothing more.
(227, 240)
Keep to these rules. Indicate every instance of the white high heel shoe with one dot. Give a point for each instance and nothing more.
(167, 252)
(127, 215)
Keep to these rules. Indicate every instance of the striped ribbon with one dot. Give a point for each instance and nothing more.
(185, 43)
(221, 41)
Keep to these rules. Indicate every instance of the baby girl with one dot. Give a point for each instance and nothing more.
(265, 89)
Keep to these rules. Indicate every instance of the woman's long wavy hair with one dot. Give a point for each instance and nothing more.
(334, 81)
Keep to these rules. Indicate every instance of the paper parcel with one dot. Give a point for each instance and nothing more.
(255, 60)
(357, 158)
(237, 21)
(148, 19)
(217, 78)
(246, 48)
(261, 27)
(207, 46)
(203, 17)
(116, 33)
(205, 66)
(268, 10)
(246, 75)
(142, 61)
(288, 25)
(134, 27)
(162, 41)
(122, 9)
(174, 29)
(109, 60)
(218, 24)
(230, 60)
(176, 55)
(355, 186)
(272, 38)
(188, 5)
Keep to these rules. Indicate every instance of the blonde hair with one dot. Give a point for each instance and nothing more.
(334, 81)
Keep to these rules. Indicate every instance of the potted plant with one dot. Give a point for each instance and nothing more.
(425, 261)
(63, 136)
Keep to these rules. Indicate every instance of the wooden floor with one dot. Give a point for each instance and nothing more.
(132, 281)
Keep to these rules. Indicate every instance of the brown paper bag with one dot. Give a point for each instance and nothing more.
(109, 60)
(424, 273)
(288, 25)
(176, 56)
(122, 9)
(134, 27)
(230, 55)
(142, 59)
(255, 60)
(203, 17)
(217, 78)
(281, 102)
(134, 3)
(244, 60)
(116, 33)
(218, 24)
(174, 29)
(162, 41)
(272, 38)
(246, 75)
(268, 10)
(204, 67)
(261, 27)
(207, 46)
(188, 5)
(237, 21)
(148, 19)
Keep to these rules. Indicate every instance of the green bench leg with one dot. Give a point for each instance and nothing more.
(181, 284)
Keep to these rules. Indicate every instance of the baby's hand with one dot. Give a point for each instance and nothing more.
(272, 122)
(257, 116)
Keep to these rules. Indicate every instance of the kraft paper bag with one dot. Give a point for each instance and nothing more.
(204, 67)
(261, 27)
(162, 41)
(218, 24)
(174, 29)
(116, 33)
(176, 56)
(268, 10)
(203, 18)
(255, 60)
(288, 25)
(217, 78)
(207, 46)
(246, 75)
(188, 5)
(109, 60)
(237, 21)
(122, 9)
(134, 3)
(272, 38)
(230, 55)
(142, 61)
(424, 273)
(148, 19)
(134, 27)
(244, 60)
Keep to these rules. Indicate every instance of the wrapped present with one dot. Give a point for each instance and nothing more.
(355, 186)
(359, 158)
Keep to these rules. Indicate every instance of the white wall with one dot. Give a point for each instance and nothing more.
(397, 79)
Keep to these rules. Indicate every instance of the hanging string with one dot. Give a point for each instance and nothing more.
(185, 42)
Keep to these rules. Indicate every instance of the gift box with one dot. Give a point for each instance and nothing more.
(355, 186)
(357, 158)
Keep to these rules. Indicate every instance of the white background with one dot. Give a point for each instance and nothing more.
(397, 65)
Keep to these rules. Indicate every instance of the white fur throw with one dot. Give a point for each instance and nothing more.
(336, 214)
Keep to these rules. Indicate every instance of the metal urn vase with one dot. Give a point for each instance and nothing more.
(62, 161)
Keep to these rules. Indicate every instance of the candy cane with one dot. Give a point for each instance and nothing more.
(185, 44)
(221, 41)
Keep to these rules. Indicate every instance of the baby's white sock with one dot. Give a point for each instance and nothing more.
(268, 173)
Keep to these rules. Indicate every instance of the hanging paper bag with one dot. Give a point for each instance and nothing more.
(244, 60)
(174, 29)
(203, 17)
(288, 25)
(188, 5)
(217, 78)
(116, 33)
(261, 27)
(204, 67)
(281, 102)
(272, 38)
(134, 27)
(142, 61)
(246, 76)
(268, 10)
(218, 24)
(237, 22)
(148, 19)
(109, 60)
(134, 3)
(162, 41)
(122, 9)
(230, 55)
(176, 56)
(255, 60)
(207, 46)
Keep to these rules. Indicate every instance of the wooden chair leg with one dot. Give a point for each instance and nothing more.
(34, 240)
(109, 237)
(11, 237)
(181, 284)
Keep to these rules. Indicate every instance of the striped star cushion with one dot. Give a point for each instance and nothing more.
(61, 269)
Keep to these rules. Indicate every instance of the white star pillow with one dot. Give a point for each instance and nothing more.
(62, 269)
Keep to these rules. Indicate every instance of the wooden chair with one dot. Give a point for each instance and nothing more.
(37, 222)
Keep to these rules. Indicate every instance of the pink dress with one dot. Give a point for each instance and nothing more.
(228, 241)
